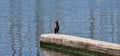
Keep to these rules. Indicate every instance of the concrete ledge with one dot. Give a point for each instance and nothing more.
(82, 43)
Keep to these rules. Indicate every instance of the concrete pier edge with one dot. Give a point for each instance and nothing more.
(82, 43)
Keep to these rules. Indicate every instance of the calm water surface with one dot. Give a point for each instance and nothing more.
(22, 21)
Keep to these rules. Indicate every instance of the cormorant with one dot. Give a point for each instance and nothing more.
(56, 27)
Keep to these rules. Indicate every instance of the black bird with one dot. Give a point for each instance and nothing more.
(56, 27)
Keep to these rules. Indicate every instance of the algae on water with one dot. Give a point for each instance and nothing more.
(69, 50)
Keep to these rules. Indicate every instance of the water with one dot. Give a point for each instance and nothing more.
(22, 21)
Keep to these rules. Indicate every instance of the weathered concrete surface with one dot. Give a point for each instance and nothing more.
(82, 43)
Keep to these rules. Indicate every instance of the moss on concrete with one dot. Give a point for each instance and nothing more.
(69, 50)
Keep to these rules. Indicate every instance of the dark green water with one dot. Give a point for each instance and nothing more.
(22, 21)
